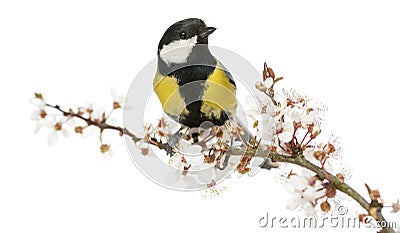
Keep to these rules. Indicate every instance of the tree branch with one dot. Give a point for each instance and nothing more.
(338, 184)
(373, 208)
(102, 125)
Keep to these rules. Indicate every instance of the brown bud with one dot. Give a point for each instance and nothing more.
(42, 114)
(319, 155)
(255, 124)
(325, 206)
(58, 126)
(340, 176)
(104, 148)
(271, 73)
(314, 131)
(78, 129)
(329, 148)
(116, 105)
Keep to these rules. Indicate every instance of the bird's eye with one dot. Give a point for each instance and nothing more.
(182, 35)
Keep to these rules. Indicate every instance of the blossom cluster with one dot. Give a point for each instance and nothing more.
(285, 123)
(84, 120)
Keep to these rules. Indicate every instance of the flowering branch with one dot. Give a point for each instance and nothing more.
(374, 207)
(101, 124)
(289, 134)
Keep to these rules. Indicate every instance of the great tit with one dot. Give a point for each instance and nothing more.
(191, 84)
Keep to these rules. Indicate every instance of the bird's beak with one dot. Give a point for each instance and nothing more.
(205, 32)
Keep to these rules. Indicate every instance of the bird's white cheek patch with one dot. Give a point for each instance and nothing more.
(177, 51)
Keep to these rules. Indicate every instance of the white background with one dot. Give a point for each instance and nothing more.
(343, 53)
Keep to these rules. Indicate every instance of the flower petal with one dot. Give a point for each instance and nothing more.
(288, 126)
(285, 136)
(298, 182)
(38, 126)
(65, 133)
(268, 82)
(310, 195)
(35, 115)
(38, 102)
(121, 99)
(309, 209)
(114, 93)
(293, 202)
(52, 138)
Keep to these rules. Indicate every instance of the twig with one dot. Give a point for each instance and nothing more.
(102, 125)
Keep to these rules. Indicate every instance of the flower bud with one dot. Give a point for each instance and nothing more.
(104, 148)
(314, 130)
(319, 155)
(78, 129)
(42, 114)
(340, 176)
(58, 126)
(329, 148)
(325, 206)
(260, 86)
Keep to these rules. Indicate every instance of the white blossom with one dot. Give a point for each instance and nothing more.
(268, 132)
(38, 102)
(41, 118)
(55, 130)
(305, 190)
(285, 131)
(120, 99)
(254, 111)
(309, 117)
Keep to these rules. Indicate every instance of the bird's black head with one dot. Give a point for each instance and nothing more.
(182, 36)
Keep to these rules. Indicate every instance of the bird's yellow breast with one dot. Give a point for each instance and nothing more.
(167, 90)
(218, 96)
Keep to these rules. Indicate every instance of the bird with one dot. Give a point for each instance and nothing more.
(193, 86)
